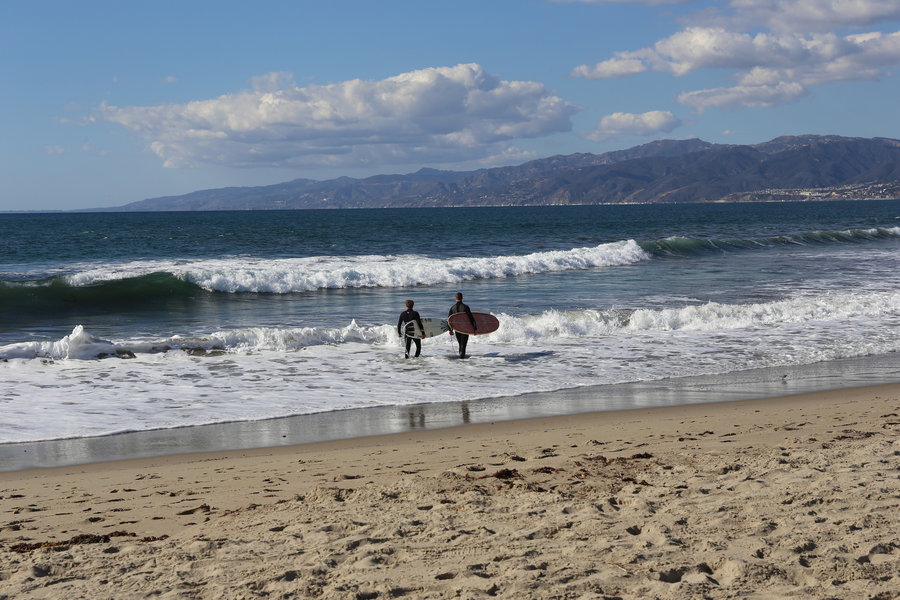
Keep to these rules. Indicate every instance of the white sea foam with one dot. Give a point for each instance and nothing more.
(270, 338)
(78, 345)
(60, 389)
(245, 274)
(550, 326)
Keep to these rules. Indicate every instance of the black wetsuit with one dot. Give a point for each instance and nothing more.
(461, 338)
(408, 316)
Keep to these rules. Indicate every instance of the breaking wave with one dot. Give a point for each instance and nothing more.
(550, 327)
(121, 286)
(150, 284)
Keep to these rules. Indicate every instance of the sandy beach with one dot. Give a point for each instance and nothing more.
(794, 497)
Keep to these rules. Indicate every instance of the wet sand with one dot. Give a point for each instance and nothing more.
(305, 429)
(796, 496)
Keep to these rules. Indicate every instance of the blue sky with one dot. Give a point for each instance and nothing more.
(105, 103)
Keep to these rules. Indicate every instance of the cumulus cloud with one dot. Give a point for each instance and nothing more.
(644, 124)
(810, 15)
(436, 115)
(771, 68)
(621, 66)
(794, 46)
(715, 48)
(782, 15)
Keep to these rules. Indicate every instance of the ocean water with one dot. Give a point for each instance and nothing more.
(128, 322)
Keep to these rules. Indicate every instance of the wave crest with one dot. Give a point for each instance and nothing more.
(282, 276)
(687, 246)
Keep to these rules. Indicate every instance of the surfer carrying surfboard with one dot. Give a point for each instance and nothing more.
(461, 338)
(410, 316)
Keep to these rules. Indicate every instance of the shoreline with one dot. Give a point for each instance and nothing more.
(385, 420)
(607, 419)
(793, 496)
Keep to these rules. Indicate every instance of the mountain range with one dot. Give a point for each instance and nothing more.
(665, 171)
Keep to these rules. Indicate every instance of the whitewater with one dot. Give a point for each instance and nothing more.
(191, 329)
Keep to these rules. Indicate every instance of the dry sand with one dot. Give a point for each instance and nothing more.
(795, 497)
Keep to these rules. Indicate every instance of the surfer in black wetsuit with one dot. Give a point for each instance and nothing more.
(406, 317)
(461, 338)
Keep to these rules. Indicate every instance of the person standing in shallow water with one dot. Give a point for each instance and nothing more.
(461, 338)
(406, 317)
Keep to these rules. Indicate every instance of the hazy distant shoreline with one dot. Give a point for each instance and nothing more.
(785, 169)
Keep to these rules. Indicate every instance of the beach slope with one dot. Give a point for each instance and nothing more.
(788, 497)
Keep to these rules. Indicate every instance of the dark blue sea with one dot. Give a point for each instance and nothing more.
(116, 322)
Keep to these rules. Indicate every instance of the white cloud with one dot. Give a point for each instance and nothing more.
(785, 67)
(446, 114)
(644, 124)
(704, 47)
(614, 67)
(770, 68)
(811, 15)
(698, 48)
(170, 79)
(748, 95)
(54, 150)
(775, 51)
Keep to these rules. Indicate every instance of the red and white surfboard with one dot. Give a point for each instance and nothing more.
(486, 323)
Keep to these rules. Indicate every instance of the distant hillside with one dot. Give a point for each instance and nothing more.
(665, 171)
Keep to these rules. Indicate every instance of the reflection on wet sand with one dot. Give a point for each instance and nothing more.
(416, 415)
(337, 425)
